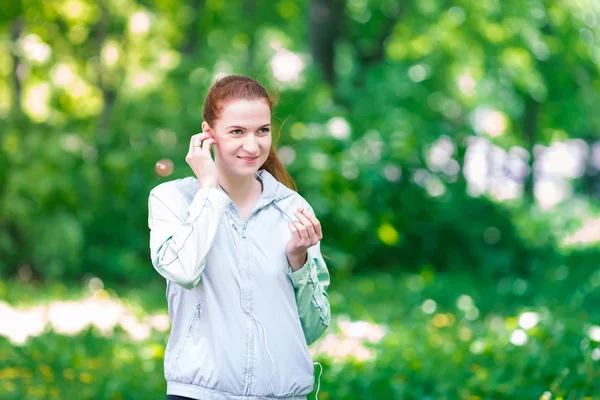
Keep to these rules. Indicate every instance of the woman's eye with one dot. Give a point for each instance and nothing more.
(237, 131)
(264, 130)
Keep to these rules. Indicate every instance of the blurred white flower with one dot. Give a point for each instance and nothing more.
(594, 333)
(362, 330)
(518, 337)
(286, 66)
(34, 49)
(588, 233)
(467, 84)
(464, 302)
(477, 346)
(419, 72)
(139, 23)
(71, 317)
(429, 306)
(136, 330)
(528, 320)
(160, 322)
(105, 313)
(339, 128)
(489, 121)
(349, 343)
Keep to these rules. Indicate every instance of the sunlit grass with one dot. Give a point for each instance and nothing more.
(410, 336)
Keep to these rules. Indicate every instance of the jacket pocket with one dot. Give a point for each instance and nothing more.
(190, 331)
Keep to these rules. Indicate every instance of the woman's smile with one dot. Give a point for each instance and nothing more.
(248, 160)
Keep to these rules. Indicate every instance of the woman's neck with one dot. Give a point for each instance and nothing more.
(240, 189)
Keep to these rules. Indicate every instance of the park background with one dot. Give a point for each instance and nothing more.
(451, 150)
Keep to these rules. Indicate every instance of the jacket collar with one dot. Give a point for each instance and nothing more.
(273, 190)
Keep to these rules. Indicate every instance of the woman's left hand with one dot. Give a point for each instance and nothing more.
(306, 232)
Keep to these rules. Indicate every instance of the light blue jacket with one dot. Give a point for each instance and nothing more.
(214, 263)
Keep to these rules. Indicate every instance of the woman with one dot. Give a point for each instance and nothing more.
(246, 282)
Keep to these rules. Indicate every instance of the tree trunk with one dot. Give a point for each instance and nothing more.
(378, 54)
(250, 8)
(530, 124)
(107, 94)
(17, 28)
(190, 47)
(323, 28)
(590, 181)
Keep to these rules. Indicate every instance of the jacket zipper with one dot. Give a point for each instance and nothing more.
(248, 379)
(245, 224)
(250, 345)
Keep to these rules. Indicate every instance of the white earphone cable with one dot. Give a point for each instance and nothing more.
(232, 225)
(254, 317)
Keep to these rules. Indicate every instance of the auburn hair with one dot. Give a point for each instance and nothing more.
(240, 87)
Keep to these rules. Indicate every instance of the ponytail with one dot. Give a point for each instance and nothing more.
(274, 166)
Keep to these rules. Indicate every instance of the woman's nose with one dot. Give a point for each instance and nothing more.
(250, 144)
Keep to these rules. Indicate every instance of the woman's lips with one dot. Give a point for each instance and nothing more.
(248, 160)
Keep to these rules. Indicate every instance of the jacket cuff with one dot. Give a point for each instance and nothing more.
(301, 276)
(219, 200)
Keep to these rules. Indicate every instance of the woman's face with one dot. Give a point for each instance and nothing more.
(243, 136)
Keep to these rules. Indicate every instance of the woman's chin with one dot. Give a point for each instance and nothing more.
(247, 171)
(242, 169)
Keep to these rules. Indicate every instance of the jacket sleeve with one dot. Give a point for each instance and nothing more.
(310, 287)
(181, 239)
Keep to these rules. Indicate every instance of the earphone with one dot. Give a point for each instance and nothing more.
(232, 225)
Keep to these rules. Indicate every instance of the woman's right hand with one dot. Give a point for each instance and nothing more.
(200, 160)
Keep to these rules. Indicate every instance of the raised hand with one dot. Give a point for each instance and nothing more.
(200, 160)
(306, 232)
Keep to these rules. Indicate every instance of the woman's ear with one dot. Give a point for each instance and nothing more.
(206, 128)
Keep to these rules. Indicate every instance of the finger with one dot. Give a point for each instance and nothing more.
(312, 235)
(295, 234)
(204, 136)
(316, 224)
(200, 144)
(301, 231)
(194, 142)
(206, 145)
(191, 149)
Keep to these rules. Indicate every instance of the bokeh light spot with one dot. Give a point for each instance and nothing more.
(164, 167)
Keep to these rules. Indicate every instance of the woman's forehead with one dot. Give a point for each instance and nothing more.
(251, 111)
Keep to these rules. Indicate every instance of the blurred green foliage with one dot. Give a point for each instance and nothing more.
(95, 93)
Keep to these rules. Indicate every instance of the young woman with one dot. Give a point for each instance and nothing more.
(246, 282)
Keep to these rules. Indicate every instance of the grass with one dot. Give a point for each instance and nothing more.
(446, 336)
